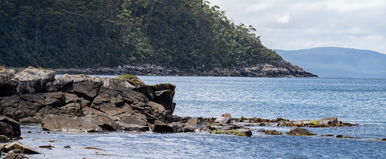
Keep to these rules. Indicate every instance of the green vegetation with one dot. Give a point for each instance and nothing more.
(228, 132)
(315, 122)
(186, 34)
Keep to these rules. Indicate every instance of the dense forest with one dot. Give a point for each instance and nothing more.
(186, 34)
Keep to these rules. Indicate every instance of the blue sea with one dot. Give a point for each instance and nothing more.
(361, 101)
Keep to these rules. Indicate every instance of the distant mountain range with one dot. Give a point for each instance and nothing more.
(338, 62)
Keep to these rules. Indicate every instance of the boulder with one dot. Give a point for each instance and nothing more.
(300, 132)
(90, 123)
(165, 98)
(192, 122)
(3, 138)
(181, 127)
(33, 80)
(9, 127)
(82, 85)
(148, 91)
(164, 94)
(18, 146)
(224, 119)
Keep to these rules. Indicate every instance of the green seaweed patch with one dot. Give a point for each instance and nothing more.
(228, 132)
(315, 122)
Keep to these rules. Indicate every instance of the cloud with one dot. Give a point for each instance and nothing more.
(283, 19)
(289, 24)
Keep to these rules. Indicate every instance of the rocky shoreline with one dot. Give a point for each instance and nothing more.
(277, 69)
(80, 103)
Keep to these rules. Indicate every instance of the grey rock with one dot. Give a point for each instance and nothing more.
(33, 80)
(91, 123)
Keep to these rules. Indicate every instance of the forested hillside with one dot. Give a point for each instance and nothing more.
(183, 34)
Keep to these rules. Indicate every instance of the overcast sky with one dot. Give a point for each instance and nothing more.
(300, 24)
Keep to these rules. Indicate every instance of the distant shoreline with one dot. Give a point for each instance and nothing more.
(264, 70)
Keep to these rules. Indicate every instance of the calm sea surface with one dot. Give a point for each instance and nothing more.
(361, 101)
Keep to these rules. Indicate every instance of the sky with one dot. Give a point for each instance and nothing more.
(302, 24)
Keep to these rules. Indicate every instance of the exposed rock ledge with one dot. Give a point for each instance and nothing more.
(92, 103)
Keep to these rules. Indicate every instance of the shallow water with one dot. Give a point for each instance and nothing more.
(361, 101)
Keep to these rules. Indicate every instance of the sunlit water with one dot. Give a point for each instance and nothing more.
(361, 101)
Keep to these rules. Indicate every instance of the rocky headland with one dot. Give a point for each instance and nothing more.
(275, 69)
(81, 103)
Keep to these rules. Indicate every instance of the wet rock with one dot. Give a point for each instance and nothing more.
(239, 132)
(300, 132)
(224, 119)
(134, 127)
(347, 137)
(161, 128)
(47, 147)
(271, 132)
(327, 135)
(9, 127)
(18, 146)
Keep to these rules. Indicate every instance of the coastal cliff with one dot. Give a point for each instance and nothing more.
(79, 102)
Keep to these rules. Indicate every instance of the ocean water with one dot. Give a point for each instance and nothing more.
(361, 101)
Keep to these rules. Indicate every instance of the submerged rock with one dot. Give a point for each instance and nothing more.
(238, 132)
(271, 132)
(300, 132)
